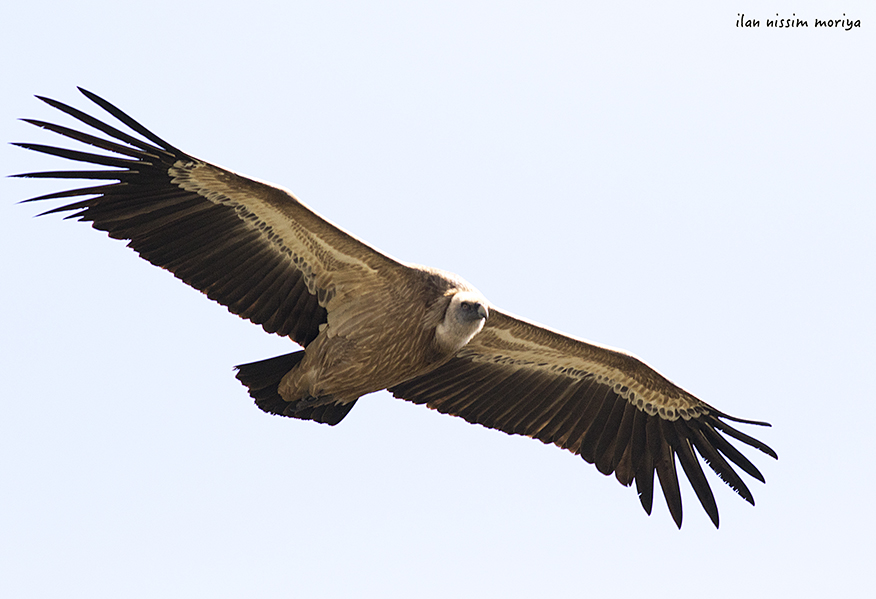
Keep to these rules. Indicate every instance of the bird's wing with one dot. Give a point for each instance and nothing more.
(248, 245)
(603, 404)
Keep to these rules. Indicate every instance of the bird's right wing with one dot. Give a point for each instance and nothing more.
(248, 245)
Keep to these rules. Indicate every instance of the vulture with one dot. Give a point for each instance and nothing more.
(368, 322)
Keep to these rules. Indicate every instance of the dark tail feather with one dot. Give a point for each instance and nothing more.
(262, 379)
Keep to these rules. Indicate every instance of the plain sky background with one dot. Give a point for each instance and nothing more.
(645, 175)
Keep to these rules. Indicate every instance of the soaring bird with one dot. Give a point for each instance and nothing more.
(367, 321)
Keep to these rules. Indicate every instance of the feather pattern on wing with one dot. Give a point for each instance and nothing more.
(602, 404)
(248, 245)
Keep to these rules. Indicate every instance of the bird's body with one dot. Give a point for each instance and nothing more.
(356, 353)
(369, 322)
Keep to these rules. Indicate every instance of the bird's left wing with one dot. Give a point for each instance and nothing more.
(605, 405)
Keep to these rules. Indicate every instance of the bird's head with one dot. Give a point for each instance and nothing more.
(465, 316)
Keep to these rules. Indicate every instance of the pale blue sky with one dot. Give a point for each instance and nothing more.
(646, 176)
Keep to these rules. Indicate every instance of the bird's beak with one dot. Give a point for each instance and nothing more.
(482, 311)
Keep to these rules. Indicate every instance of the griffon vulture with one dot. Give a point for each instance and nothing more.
(369, 322)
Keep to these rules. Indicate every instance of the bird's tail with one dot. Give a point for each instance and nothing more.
(262, 378)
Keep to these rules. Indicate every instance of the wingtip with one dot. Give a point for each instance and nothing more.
(716, 520)
(719, 423)
(27, 146)
(90, 95)
(105, 104)
(727, 416)
(50, 101)
(647, 501)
